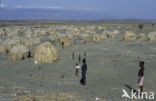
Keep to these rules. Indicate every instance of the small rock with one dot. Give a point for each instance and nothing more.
(30, 75)
(39, 67)
(40, 85)
(62, 76)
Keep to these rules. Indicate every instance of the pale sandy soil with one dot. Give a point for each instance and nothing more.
(111, 65)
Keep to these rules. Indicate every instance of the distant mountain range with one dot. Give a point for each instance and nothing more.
(54, 14)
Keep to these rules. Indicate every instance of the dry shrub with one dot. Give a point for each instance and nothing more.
(152, 36)
(18, 52)
(129, 36)
(47, 97)
(45, 53)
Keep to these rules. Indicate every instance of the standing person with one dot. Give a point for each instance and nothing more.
(84, 54)
(79, 58)
(85, 41)
(73, 55)
(74, 42)
(77, 69)
(62, 44)
(141, 75)
(84, 71)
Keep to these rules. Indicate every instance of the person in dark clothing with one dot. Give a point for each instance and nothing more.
(62, 44)
(141, 75)
(73, 55)
(84, 54)
(85, 41)
(84, 71)
(74, 42)
(79, 58)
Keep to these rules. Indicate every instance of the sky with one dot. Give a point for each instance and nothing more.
(119, 8)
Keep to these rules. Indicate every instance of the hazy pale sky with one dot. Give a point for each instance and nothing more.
(145, 8)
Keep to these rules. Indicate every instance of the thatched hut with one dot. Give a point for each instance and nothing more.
(96, 38)
(2, 49)
(54, 38)
(18, 52)
(66, 41)
(72, 35)
(12, 33)
(29, 33)
(142, 36)
(152, 36)
(85, 36)
(2, 32)
(22, 31)
(114, 34)
(31, 42)
(9, 43)
(45, 53)
(104, 36)
(129, 36)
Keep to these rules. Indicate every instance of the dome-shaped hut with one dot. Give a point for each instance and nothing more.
(2, 49)
(114, 34)
(129, 36)
(1, 32)
(45, 53)
(85, 36)
(18, 52)
(66, 41)
(152, 36)
(9, 43)
(142, 36)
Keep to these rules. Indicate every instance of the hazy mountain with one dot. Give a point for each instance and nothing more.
(63, 14)
(51, 14)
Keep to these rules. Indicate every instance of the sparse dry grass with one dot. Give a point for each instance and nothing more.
(22, 94)
(47, 97)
